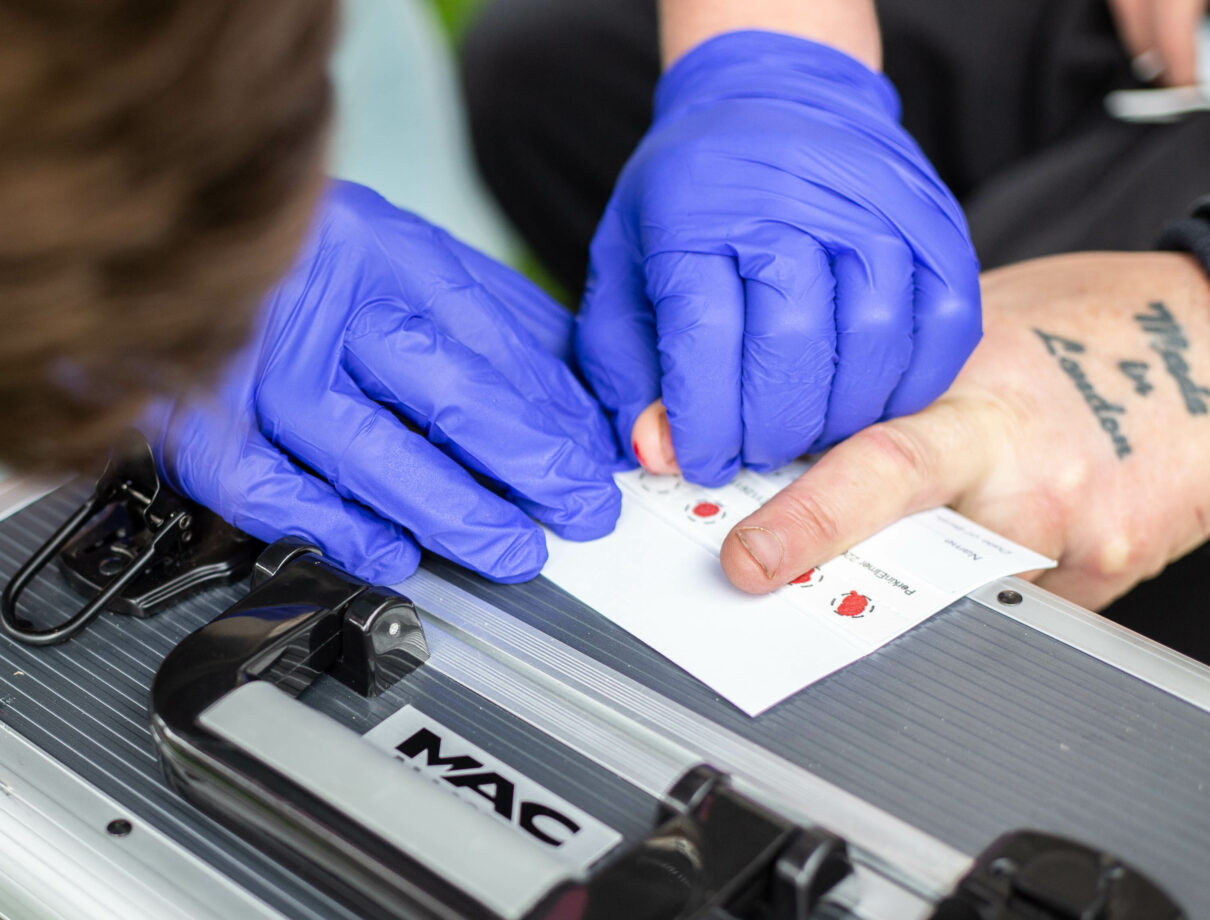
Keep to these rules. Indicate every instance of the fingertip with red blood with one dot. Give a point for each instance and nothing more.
(651, 441)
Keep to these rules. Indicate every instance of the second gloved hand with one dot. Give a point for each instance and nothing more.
(778, 261)
(401, 389)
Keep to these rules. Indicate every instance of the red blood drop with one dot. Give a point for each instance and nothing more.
(638, 456)
(705, 509)
(803, 578)
(853, 605)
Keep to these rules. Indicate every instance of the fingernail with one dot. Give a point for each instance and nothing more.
(764, 546)
(666, 449)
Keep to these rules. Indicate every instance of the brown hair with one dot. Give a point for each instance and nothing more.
(159, 160)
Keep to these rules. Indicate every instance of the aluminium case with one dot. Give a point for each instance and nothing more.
(986, 718)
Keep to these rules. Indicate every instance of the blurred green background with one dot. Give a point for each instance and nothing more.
(455, 14)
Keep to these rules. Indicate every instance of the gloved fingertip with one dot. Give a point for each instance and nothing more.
(595, 515)
(394, 563)
(766, 466)
(521, 561)
(710, 475)
(773, 454)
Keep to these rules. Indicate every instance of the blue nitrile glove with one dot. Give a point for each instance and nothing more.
(778, 261)
(386, 327)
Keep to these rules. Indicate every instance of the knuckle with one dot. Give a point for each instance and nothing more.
(1120, 558)
(810, 517)
(882, 319)
(895, 455)
(958, 307)
(962, 315)
(1115, 555)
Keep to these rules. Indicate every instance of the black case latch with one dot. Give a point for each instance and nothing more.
(1029, 875)
(134, 547)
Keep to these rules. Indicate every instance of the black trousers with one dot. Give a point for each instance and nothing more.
(1005, 97)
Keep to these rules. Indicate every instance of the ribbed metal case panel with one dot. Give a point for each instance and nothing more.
(970, 725)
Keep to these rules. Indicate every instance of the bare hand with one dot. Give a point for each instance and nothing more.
(1079, 428)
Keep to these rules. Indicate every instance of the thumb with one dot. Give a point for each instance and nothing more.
(859, 487)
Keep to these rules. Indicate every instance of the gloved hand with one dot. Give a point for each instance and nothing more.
(397, 380)
(778, 261)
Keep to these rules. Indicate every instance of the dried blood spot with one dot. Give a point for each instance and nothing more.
(705, 513)
(853, 605)
(804, 578)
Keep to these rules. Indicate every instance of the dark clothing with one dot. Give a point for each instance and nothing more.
(1005, 97)
(559, 94)
(1190, 234)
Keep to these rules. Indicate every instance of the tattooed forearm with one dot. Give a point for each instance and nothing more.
(1106, 412)
(1169, 342)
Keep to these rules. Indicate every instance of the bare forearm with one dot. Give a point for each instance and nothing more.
(848, 25)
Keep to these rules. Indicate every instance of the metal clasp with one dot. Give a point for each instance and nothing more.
(147, 547)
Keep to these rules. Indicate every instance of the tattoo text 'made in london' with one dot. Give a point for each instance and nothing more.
(1106, 413)
(1169, 342)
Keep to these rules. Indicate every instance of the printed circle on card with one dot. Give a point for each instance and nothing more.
(659, 485)
(808, 579)
(705, 511)
(852, 605)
